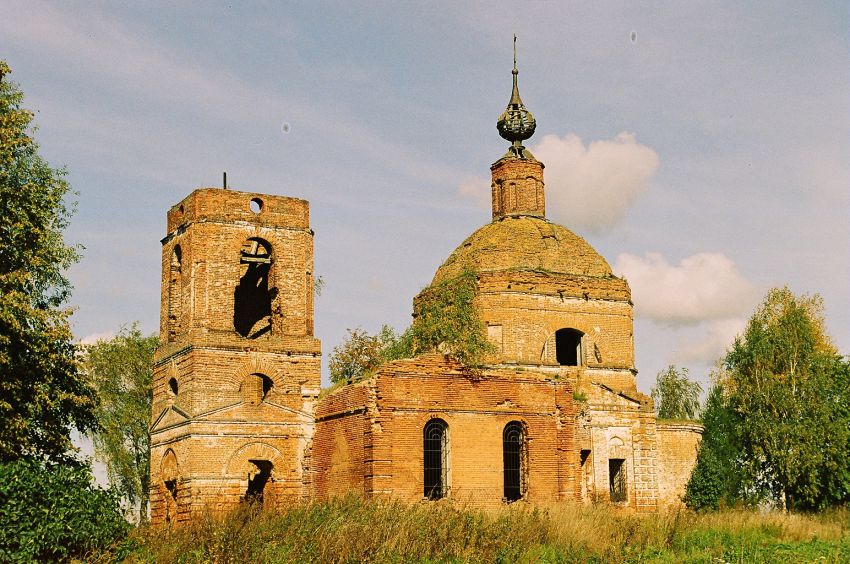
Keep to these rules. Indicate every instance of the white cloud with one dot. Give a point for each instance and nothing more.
(705, 286)
(714, 343)
(590, 187)
(477, 189)
(95, 337)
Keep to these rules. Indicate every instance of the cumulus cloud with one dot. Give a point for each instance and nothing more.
(713, 344)
(476, 189)
(590, 187)
(705, 286)
(95, 337)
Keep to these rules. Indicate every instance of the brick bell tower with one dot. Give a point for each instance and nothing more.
(237, 372)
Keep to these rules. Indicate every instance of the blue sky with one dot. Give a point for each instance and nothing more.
(703, 149)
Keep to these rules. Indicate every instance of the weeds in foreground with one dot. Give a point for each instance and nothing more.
(352, 530)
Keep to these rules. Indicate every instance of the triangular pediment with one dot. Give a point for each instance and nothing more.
(248, 412)
(169, 417)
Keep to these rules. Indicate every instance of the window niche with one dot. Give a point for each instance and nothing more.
(514, 459)
(436, 459)
(254, 294)
(257, 388)
(175, 289)
(568, 347)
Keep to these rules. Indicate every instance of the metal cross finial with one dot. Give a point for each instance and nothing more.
(516, 124)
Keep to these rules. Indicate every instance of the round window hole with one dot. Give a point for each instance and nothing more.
(172, 385)
(256, 205)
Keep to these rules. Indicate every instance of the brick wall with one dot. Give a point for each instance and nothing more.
(677, 447)
(391, 410)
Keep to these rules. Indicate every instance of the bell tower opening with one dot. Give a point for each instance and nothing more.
(254, 295)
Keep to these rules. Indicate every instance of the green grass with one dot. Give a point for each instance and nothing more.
(352, 530)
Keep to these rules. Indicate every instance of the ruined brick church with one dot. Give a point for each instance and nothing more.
(555, 415)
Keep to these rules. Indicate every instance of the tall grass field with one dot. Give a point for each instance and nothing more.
(353, 530)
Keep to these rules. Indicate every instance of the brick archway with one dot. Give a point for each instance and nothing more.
(239, 465)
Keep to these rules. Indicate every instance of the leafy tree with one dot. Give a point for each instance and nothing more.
(781, 379)
(446, 321)
(361, 353)
(716, 480)
(52, 512)
(358, 354)
(42, 392)
(787, 395)
(120, 370)
(675, 396)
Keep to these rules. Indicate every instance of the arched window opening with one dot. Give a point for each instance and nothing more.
(436, 463)
(175, 288)
(568, 347)
(257, 388)
(253, 297)
(266, 386)
(258, 478)
(514, 457)
(172, 386)
(617, 479)
(169, 472)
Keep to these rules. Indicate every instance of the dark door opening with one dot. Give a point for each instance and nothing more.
(171, 500)
(617, 479)
(257, 481)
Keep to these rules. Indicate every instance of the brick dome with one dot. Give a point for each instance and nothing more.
(524, 243)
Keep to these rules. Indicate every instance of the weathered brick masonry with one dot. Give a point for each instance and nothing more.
(237, 373)
(554, 416)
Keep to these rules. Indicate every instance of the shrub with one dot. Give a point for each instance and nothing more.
(52, 512)
(446, 321)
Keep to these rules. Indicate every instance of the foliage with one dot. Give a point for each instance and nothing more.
(353, 530)
(51, 512)
(790, 391)
(785, 406)
(675, 396)
(120, 370)
(360, 353)
(716, 480)
(42, 392)
(446, 321)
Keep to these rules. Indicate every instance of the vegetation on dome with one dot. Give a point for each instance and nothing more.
(445, 321)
